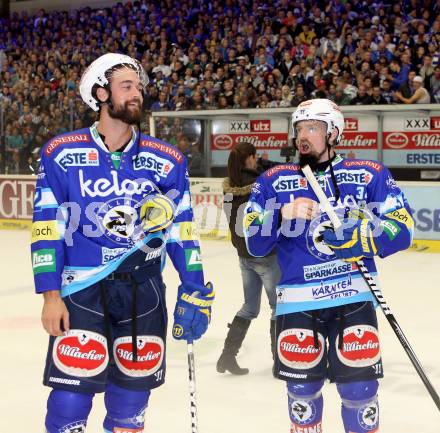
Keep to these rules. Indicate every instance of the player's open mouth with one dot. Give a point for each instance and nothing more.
(304, 148)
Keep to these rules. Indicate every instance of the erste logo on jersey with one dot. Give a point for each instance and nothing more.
(150, 353)
(289, 183)
(360, 346)
(80, 353)
(77, 158)
(150, 161)
(353, 177)
(296, 348)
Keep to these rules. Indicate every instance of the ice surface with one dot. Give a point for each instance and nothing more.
(255, 403)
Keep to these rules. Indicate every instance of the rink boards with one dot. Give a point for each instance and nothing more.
(17, 194)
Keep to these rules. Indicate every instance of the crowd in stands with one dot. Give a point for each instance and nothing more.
(202, 55)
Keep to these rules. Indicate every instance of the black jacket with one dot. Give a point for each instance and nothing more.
(234, 202)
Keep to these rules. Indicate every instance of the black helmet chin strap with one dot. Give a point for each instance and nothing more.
(332, 173)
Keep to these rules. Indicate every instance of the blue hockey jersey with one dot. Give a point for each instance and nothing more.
(87, 213)
(312, 276)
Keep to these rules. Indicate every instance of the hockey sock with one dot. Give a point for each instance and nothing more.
(125, 409)
(67, 411)
(360, 408)
(305, 406)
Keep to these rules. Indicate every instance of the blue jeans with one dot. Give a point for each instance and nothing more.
(257, 272)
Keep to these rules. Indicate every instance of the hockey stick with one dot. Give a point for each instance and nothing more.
(377, 293)
(192, 388)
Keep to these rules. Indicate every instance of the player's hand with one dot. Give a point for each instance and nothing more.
(302, 207)
(353, 240)
(157, 213)
(193, 311)
(55, 316)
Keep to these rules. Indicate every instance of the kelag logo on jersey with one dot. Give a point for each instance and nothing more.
(77, 157)
(149, 161)
(104, 187)
(289, 183)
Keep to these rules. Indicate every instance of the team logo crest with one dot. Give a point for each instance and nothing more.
(317, 248)
(303, 411)
(118, 219)
(368, 417)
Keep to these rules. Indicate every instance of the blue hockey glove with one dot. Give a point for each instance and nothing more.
(193, 311)
(352, 241)
(157, 213)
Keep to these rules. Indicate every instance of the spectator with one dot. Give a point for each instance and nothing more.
(320, 91)
(243, 170)
(286, 64)
(362, 98)
(420, 95)
(376, 96)
(299, 96)
(399, 73)
(407, 88)
(331, 42)
(307, 35)
(286, 97)
(427, 69)
(162, 103)
(434, 84)
(200, 51)
(387, 93)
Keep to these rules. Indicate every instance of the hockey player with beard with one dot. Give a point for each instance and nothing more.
(110, 203)
(326, 321)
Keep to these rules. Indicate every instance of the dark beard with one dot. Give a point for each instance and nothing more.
(310, 159)
(125, 114)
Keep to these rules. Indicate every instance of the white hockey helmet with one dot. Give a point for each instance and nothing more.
(319, 109)
(97, 74)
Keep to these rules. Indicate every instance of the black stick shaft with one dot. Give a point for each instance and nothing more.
(377, 293)
(398, 331)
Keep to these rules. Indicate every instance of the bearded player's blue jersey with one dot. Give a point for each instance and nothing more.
(312, 276)
(87, 212)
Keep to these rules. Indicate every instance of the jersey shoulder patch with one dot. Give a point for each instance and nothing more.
(69, 138)
(154, 145)
(364, 163)
(289, 168)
